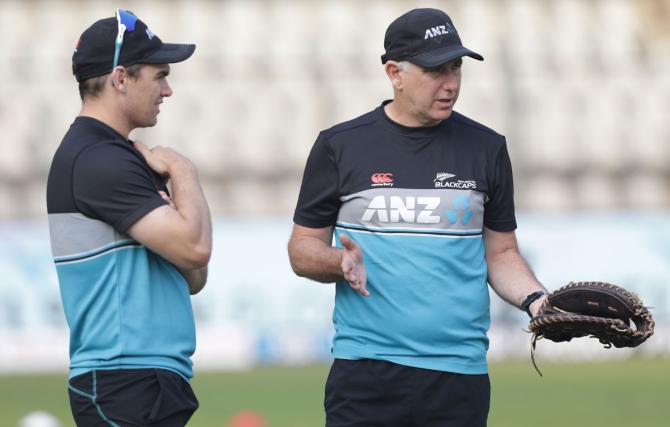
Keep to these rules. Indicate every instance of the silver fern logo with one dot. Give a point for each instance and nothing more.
(441, 176)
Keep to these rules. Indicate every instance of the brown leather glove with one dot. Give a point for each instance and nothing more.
(599, 310)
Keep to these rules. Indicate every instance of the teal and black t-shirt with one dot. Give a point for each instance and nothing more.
(126, 306)
(416, 201)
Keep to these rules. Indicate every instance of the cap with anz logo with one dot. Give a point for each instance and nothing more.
(97, 47)
(425, 37)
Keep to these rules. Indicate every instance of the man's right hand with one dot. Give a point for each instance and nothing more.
(353, 267)
(162, 160)
(182, 231)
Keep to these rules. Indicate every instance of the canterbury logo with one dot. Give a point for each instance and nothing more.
(379, 178)
(382, 179)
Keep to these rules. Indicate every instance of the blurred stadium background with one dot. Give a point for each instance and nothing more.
(581, 89)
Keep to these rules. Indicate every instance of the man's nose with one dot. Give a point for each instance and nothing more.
(450, 80)
(166, 90)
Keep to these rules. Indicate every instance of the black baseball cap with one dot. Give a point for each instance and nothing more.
(94, 54)
(424, 37)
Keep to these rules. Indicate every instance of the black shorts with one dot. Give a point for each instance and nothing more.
(131, 397)
(374, 393)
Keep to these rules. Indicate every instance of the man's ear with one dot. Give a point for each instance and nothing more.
(393, 71)
(119, 78)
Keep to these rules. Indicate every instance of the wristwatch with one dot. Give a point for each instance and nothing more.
(525, 305)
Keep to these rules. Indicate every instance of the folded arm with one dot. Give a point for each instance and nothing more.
(181, 231)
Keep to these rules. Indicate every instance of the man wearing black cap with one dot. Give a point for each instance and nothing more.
(127, 254)
(419, 198)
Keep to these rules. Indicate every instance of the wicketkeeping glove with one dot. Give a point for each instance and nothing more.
(609, 313)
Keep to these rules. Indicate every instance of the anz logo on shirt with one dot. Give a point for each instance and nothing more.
(417, 210)
(407, 209)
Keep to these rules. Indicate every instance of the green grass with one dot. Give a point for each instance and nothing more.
(290, 397)
(617, 393)
(612, 394)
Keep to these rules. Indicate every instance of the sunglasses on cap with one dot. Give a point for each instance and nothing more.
(126, 22)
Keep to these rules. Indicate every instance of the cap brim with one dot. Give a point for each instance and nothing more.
(437, 57)
(170, 53)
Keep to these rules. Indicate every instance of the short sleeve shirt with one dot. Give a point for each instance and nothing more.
(126, 306)
(416, 201)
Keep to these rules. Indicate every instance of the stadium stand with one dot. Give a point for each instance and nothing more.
(580, 88)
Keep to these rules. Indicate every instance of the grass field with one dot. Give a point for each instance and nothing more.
(621, 393)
